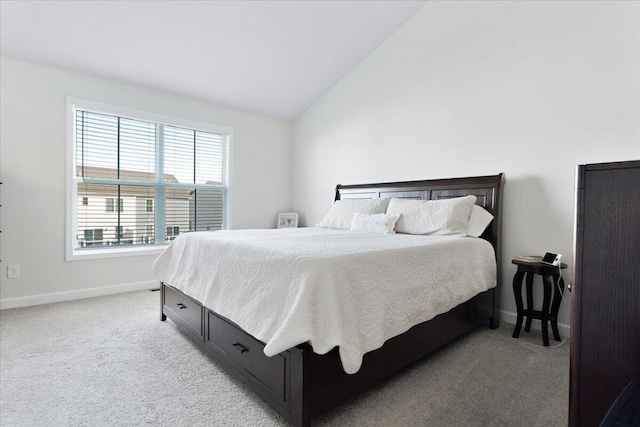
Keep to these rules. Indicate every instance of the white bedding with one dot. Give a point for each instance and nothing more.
(327, 287)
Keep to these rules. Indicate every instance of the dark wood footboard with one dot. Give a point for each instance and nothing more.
(298, 383)
(330, 385)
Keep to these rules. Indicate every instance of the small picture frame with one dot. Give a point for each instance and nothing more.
(287, 220)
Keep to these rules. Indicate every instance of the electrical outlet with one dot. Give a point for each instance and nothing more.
(13, 271)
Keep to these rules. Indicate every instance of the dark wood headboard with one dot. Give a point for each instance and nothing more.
(487, 189)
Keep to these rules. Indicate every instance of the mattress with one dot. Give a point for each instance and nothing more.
(327, 287)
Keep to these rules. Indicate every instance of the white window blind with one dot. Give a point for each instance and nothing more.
(142, 183)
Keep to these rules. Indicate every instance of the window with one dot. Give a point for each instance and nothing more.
(148, 231)
(111, 204)
(172, 233)
(158, 176)
(92, 237)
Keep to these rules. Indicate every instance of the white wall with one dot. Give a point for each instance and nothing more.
(473, 88)
(33, 171)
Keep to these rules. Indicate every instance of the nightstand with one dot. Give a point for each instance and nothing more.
(553, 285)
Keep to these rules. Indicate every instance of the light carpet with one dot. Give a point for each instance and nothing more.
(109, 361)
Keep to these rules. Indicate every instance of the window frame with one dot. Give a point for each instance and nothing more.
(73, 104)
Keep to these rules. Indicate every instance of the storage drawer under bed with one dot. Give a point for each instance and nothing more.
(186, 309)
(247, 354)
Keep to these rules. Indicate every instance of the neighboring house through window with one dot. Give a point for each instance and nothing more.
(148, 177)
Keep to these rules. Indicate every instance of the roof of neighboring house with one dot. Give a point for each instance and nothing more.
(112, 173)
(107, 190)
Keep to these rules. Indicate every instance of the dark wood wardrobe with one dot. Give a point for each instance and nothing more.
(605, 320)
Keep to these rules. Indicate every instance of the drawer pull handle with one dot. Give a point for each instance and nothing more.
(181, 305)
(240, 347)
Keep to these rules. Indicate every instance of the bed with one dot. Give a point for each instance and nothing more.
(300, 383)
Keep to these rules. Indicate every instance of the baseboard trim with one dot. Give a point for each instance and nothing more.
(510, 317)
(77, 294)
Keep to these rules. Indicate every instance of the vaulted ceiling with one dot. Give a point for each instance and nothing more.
(273, 58)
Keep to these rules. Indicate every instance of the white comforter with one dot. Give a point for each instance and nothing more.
(328, 287)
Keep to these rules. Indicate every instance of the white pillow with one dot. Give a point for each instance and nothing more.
(374, 223)
(479, 221)
(341, 213)
(440, 217)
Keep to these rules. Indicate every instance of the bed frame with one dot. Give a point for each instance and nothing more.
(300, 384)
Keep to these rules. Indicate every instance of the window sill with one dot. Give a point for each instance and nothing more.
(84, 254)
